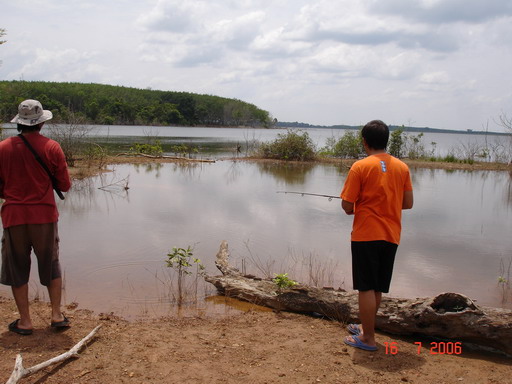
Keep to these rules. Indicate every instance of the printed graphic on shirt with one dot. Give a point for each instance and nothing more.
(383, 166)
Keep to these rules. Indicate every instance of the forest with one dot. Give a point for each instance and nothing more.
(117, 105)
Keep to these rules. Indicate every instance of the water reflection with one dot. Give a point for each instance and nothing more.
(114, 241)
(290, 173)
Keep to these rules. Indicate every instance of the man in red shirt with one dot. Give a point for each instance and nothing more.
(376, 190)
(29, 213)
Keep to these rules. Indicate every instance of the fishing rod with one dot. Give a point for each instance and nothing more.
(330, 197)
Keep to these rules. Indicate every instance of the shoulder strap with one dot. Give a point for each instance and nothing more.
(40, 161)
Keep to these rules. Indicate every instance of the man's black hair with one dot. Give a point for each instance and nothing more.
(29, 128)
(376, 134)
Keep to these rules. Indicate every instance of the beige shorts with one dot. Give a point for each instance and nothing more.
(17, 244)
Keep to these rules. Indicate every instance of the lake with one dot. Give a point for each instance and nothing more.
(114, 241)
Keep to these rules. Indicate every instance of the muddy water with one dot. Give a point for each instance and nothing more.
(114, 241)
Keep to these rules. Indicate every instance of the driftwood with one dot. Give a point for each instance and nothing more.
(181, 158)
(20, 372)
(448, 316)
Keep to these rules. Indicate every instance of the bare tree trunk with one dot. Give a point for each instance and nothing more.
(449, 316)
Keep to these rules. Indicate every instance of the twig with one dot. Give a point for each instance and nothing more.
(117, 183)
(19, 372)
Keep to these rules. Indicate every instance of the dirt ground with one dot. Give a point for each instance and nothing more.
(251, 347)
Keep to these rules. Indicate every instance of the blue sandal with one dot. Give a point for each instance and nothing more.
(354, 329)
(359, 344)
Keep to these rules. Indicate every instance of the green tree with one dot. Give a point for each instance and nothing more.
(396, 143)
(350, 145)
(107, 104)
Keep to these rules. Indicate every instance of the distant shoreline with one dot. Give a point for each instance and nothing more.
(392, 128)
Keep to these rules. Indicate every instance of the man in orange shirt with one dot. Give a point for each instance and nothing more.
(376, 190)
(29, 213)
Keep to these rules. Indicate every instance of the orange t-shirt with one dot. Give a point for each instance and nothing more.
(376, 186)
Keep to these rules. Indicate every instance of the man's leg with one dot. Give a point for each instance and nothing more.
(45, 240)
(21, 298)
(55, 293)
(16, 269)
(378, 300)
(368, 306)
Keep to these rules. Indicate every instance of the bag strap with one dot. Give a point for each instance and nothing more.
(40, 161)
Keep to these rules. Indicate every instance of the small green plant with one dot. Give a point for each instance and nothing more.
(283, 281)
(415, 149)
(184, 150)
(450, 158)
(148, 149)
(181, 260)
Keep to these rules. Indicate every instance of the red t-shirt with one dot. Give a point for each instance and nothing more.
(376, 186)
(25, 185)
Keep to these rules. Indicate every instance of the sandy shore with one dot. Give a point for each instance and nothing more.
(251, 347)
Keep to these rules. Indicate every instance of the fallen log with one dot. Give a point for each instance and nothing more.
(448, 316)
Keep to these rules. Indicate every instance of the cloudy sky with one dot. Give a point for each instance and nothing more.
(435, 63)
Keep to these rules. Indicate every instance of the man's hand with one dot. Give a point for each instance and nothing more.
(348, 207)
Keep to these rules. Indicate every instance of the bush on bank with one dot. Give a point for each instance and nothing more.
(292, 145)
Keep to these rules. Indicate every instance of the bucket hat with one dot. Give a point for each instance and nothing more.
(31, 112)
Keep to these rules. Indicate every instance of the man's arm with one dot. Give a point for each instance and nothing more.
(408, 200)
(348, 207)
(60, 168)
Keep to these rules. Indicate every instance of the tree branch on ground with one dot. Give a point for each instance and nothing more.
(20, 372)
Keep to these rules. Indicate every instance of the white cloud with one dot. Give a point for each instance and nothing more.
(66, 65)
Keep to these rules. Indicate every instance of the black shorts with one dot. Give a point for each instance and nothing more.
(372, 265)
(17, 244)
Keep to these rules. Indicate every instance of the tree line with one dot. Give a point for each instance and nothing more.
(117, 105)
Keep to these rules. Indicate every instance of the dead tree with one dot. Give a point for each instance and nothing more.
(448, 316)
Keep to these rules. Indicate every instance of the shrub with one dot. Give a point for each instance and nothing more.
(396, 143)
(415, 149)
(350, 145)
(292, 145)
(148, 149)
(283, 281)
(95, 153)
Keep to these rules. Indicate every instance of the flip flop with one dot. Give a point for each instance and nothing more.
(13, 327)
(359, 344)
(354, 329)
(61, 324)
